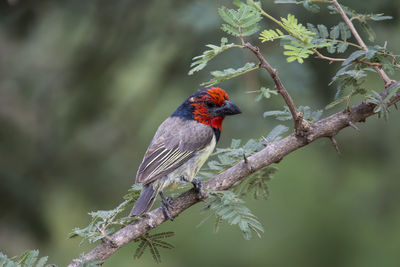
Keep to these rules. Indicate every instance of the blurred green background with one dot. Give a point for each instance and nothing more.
(83, 87)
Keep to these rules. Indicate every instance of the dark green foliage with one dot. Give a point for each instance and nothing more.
(264, 93)
(107, 222)
(331, 38)
(153, 243)
(256, 183)
(382, 108)
(220, 76)
(27, 259)
(362, 18)
(226, 157)
(284, 115)
(89, 263)
(300, 43)
(276, 133)
(227, 206)
(241, 22)
(200, 62)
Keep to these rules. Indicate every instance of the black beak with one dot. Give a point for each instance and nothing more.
(228, 108)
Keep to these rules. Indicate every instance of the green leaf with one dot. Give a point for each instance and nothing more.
(353, 56)
(391, 93)
(323, 31)
(220, 76)
(345, 32)
(200, 62)
(152, 242)
(240, 22)
(235, 143)
(276, 133)
(369, 31)
(342, 47)
(264, 93)
(227, 206)
(282, 115)
(309, 115)
(297, 29)
(310, 6)
(271, 35)
(334, 33)
(27, 259)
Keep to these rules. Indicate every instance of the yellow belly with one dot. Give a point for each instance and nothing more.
(186, 172)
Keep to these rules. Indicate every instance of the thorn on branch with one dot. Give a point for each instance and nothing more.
(265, 141)
(352, 125)
(246, 161)
(335, 145)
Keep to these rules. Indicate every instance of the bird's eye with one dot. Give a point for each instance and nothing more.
(211, 104)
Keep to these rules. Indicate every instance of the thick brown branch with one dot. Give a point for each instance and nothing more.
(272, 153)
(300, 126)
(360, 41)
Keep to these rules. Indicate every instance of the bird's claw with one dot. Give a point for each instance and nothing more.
(166, 206)
(198, 187)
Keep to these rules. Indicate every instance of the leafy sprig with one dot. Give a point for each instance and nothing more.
(227, 206)
(200, 62)
(284, 115)
(106, 222)
(153, 243)
(241, 22)
(29, 258)
(220, 76)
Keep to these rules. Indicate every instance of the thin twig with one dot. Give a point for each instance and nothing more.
(280, 88)
(331, 59)
(353, 30)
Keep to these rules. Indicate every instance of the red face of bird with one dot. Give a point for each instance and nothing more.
(210, 106)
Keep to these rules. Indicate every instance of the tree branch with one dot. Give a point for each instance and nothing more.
(301, 127)
(360, 41)
(272, 153)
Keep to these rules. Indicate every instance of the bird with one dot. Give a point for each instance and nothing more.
(180, 146)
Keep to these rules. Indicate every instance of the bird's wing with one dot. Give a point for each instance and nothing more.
(174, 143)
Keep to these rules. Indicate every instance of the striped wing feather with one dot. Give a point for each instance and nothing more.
(175, 142)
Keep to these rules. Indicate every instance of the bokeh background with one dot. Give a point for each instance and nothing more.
(83, 87)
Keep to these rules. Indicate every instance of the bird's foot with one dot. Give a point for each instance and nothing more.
(166, 206)
(198, 187)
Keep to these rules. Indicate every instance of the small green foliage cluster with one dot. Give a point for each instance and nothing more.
(106, 222)
(256, 184)
(226, 157)
(264, 93)
(284, 115)
(363, 19)
(354, 71)
(199, 62)
(381, 107)
(226, 205)
(335, 39)
(220, 76)
(153, 242)
(241, 22)
(300, 41)
(29, 258)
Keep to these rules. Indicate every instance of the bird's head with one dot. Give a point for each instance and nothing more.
(208, 106)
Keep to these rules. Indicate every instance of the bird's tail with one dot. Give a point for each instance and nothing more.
(144, 202)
